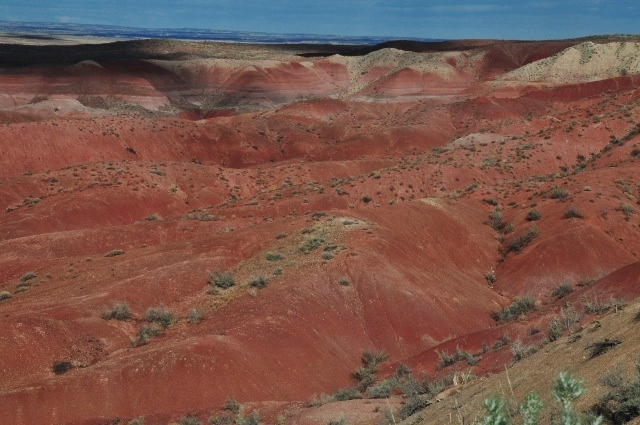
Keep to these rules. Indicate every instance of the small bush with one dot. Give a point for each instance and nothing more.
(490, 277)
(195, 316)
(159, 315)
(344, 394)
(521, 351)
(274, 256)
(562, 290)
(119, 311)
(497, 222)
(252, 419)
(61, 366)
(4, 295)
(517, 307)
(344, 281)
(221, 280)
(627, 210)
(534, 215)
(371, 359)
(258, 282)
(558, 193)
(411, 406)
(114, 253)
(28, 276)
(522, 240)
(310, 244)
(569, 317)
(504, 340)
(232, 406)
(382, 389)
(281, 235)
(136, 421)
(572, 212)
(189, 420)
(145, 333)
(555, 330)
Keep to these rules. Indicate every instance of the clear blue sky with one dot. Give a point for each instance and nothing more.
(513, 19)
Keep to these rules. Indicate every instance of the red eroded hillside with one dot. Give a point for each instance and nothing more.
(189, 223)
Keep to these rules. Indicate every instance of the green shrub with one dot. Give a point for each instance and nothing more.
(562, 290)
(534, 215)
(159, 315)
(310, 244)
(232, 406)
(522, 240)
(119, 311)
(4, 295)
(195, 316)
(344, 394)
(221, 280)
(274, 256)
(572, 212)
(145, 333)
(496, 220)
(258, 281)
(566, 390)
(517, 307)
(382, 389)
(558, 193)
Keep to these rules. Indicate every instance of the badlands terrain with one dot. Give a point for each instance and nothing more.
(194, 231)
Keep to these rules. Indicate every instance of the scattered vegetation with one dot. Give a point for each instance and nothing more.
(517, 307)
(622, 403)
(445, 359)
(566, 390)
(310, 244)
(4, 295)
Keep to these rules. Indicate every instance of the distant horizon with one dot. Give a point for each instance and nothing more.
(200, 34)
(399, 19)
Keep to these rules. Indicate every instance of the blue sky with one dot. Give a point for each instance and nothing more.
(506, 19)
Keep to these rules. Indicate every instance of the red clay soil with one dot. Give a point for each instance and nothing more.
(132, 179)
